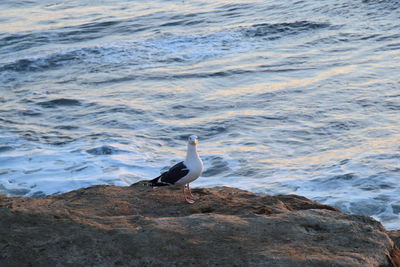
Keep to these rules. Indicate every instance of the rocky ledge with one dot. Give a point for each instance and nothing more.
(142, 226)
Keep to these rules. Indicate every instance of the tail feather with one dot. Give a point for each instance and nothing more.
(156, 182)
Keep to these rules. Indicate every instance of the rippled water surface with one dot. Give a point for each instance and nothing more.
(286, 96)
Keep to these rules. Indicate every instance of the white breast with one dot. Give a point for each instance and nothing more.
(195, 170)
(193, 163)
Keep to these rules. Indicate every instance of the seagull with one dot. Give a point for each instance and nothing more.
(183, 172)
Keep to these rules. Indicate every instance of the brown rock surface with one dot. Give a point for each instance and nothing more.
(395, 235)
(141, 226)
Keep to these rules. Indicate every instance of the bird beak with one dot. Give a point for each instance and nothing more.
(194, 142)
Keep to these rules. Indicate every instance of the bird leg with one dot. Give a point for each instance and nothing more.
(190, 193)
(187, 199)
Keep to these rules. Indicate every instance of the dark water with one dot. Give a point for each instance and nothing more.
(286, 96)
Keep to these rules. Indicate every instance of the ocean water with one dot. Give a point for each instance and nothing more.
(286, 97)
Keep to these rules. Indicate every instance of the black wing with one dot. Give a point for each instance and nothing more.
(175, 173)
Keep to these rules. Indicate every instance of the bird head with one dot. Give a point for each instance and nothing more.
(193, 140)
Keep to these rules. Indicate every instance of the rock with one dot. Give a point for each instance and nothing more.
(142, 226)
(395, 236)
